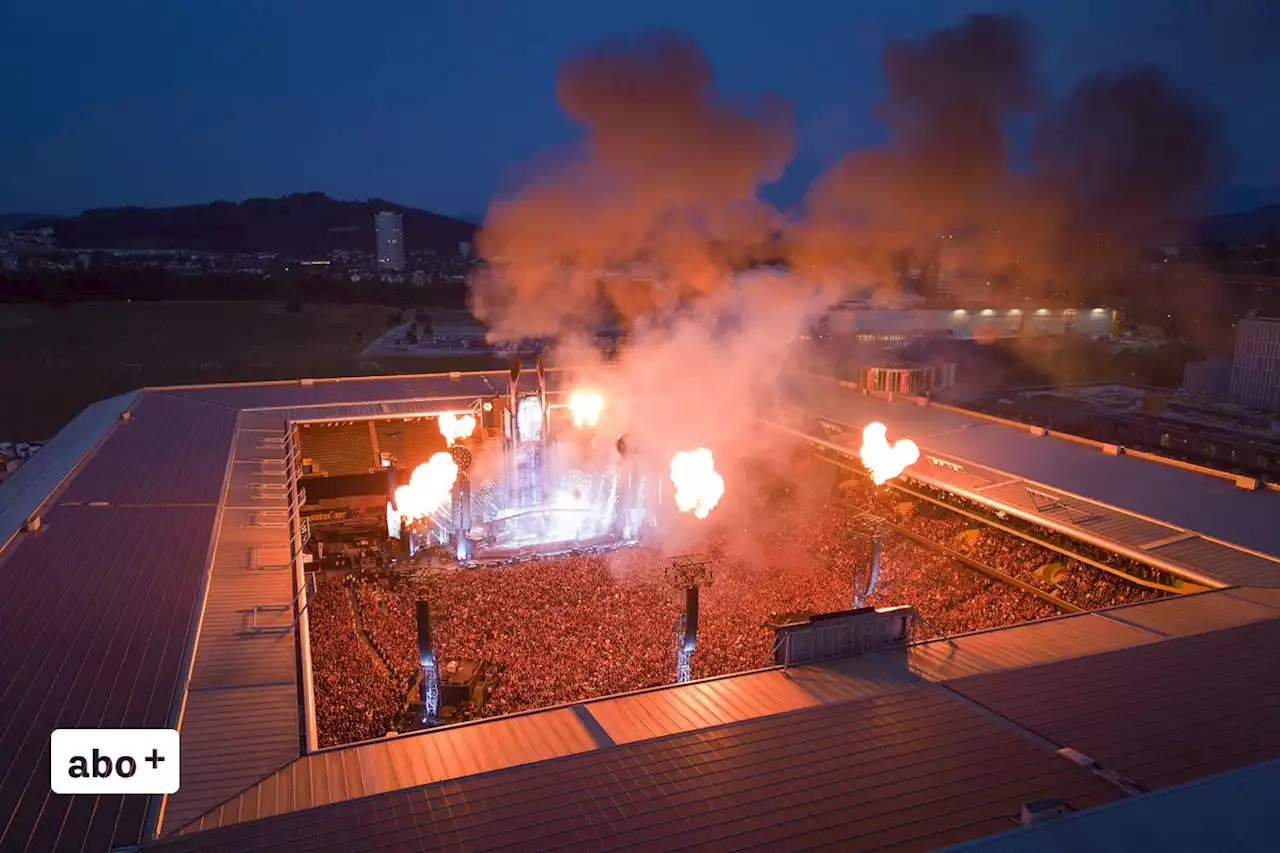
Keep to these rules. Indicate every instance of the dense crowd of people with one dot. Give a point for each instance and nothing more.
(1068, 579)
(355, 699)
(564, 628)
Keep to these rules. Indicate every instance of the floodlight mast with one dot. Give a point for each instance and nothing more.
(427, 660)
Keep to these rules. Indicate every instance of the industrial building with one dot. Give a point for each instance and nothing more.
(866, 323)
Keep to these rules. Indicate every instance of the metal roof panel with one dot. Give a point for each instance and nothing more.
(1218, 813)
(431, 756)
(171, 451)
(1160, 713)
(93, 626)
(1022, 646)
(22, 493)
(697, 705)
(1182, 615)
(910, 770)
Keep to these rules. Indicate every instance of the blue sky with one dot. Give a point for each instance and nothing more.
(442, 103)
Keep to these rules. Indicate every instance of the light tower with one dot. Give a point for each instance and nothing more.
(688, 573)
(873, 528)
(427, 660)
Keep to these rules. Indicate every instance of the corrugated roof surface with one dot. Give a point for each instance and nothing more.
(1205, 503)
(1160, 713)
(1237, 566)
(420, 407)
(94, 619)
(699, 705)
(241, 720)
(230, 740)
(1218, 813)
(23, 492)
(910, 771)
(332, 776)
(854, 678)
(332, 413)
(1023, 646)
(705, 705)
(1181, 616)
(320, 392)
(171, 451)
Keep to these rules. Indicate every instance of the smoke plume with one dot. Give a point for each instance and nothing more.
(659, 207)
(1119, 157)
(657, 213)
(944, 170)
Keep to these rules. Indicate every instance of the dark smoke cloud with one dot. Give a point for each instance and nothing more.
(945, 167)
(1125, 152)
(661, 204)
(1120, 156)
(666, 182)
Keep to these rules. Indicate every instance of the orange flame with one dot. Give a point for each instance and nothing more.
(885, 461)
(698, 486)
(453, 427)
(430, 487)
(586, 407)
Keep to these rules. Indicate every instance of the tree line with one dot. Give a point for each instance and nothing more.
(61, 287)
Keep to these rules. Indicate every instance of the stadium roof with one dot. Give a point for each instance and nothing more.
(914, 748)
(1195, 523)
(157, 592)
(1219, 813)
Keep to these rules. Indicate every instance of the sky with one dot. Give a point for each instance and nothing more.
(442, 104)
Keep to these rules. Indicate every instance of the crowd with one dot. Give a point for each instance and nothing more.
(565, 628)
(1066, 578)
(355, 700)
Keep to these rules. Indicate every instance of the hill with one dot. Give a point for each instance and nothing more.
(1254, 225)
(300, 225)
(9, 221)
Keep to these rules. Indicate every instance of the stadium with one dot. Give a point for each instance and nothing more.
(425, 612)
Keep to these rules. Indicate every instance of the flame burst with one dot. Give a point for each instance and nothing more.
(453, 427)
(885, 461)
(586, 407)
(430, 487)
(698, 486)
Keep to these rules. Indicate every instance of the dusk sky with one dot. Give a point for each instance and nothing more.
(443, 103)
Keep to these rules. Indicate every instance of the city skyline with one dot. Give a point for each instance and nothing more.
(133, 110)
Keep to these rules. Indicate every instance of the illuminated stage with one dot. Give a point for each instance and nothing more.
(552, 478)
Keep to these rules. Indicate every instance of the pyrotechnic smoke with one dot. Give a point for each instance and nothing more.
(884, 460)
(944, 167)
(652, 220)
(1120, 153)
(430, 487)
(658, 206)
(698, 486)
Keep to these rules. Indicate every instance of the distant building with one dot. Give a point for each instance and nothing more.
(865, 323)
(1255, 369)
(390, 232)
(464, 249)
(1209, 378)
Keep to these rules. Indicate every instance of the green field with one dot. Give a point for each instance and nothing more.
(60, 359)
